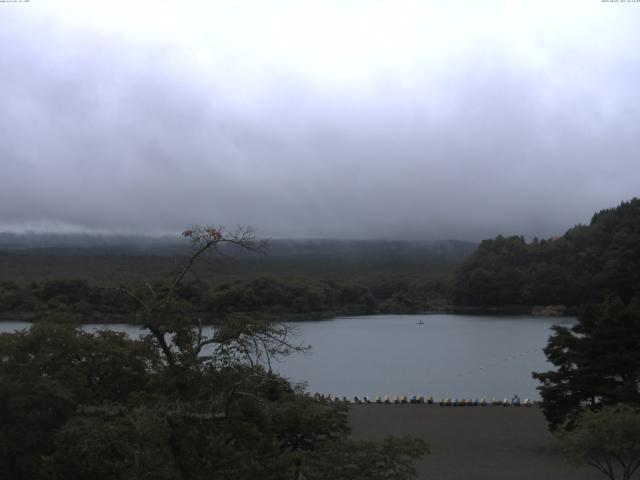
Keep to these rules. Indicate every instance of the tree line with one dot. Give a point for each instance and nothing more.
(591, 399)
(587, 264)
(303, 297)
(175, 404)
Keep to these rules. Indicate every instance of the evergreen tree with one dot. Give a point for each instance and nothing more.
(597, 363)
(587, 264)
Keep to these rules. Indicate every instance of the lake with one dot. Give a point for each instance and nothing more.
(446, 356)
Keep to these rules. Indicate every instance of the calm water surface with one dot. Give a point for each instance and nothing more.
(447, 356)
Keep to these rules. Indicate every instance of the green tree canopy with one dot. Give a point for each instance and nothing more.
(608, 440)
(597, 362)
(175, 404)
(586, 264)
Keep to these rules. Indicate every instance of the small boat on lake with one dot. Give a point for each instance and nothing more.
(420, 323)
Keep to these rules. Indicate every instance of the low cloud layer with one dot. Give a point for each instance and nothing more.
(345, 120)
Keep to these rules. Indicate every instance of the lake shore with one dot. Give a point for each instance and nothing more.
(446, 356)
(480, 443)
(209, 318)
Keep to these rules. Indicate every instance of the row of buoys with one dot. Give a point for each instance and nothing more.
(444, 402)
(467, 402)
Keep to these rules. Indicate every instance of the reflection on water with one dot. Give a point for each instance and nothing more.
(445, 356)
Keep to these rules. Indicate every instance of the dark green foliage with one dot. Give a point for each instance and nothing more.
(112, 442)
(608, 440)
(176, 404)
(49, 371)
(67, 297)
(299, 297)
(269, 294)
(597, 363)
(586, 264)
(75, 405)
(300, 279)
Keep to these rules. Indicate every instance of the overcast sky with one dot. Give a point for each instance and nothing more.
(341, 119)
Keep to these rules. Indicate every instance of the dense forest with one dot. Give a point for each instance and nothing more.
(80, 276)
(587, 264)
(79, 405)
(50, 278)
(176, 403)
(79, 300)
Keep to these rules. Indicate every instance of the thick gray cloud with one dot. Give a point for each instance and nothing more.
(522, 124)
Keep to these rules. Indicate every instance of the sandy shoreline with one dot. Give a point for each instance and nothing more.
(492, 443)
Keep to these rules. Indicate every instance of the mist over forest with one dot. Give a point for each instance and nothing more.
(319, 240)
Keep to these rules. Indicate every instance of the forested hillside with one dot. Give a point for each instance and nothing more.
(51, 277)
(586, 264)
